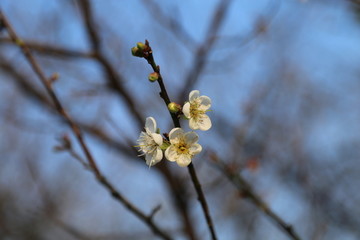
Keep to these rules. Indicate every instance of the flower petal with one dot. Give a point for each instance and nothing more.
(150, 124)
(186, 109)
(183, 160)
(157, 138)
(195, 149)
(191, 138)
(149, 158)
(171, 154)
(193, 95)
(154, 157)
(204, 123)
(193, 124)
(158, 155)
(205, 103)
(175, 134)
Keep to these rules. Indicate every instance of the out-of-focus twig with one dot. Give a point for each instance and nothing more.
(170, 23)
(50, 207)
(51, 50)
(31, 91)
(202, 53)
(247, 191)
(238, 40)
(48, 87)
(201, 197)
(77, 132)
(114, 78)
(175, 185)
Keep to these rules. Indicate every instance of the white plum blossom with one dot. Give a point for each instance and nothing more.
(150, 142)
(183, 147)
(195, 110)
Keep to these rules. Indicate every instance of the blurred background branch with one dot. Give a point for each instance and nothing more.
(284, 82)
(90, 163)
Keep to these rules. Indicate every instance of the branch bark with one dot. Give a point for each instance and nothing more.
(164, 95)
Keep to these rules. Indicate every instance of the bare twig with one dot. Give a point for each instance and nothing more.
(77, 132)
(51, 50)
(66, 145)
(164, 95)
(247, 191)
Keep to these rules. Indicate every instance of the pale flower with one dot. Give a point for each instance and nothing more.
(195, 110)
(150, 142)
(183, 147)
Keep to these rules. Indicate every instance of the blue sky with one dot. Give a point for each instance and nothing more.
(308, 55)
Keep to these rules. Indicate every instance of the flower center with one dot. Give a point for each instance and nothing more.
(182, 148)
(147, 143)
(195, 112)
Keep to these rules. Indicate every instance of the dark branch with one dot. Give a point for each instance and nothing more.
(201, 197)
(77, 132)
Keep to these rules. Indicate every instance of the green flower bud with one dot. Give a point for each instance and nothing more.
(153, 77)
(141, 46)
(174, 107)
(135, 51)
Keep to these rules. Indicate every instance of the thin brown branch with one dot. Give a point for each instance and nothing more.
(247, 191)
(77, 132)
(56, 51)
(164, 95)
(176, 186)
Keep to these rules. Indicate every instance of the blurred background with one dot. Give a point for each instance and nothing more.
(284, 79)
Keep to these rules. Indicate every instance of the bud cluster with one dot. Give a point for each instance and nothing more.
(141, 50)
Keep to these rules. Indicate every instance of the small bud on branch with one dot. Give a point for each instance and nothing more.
(153, 77)
(174, 107)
